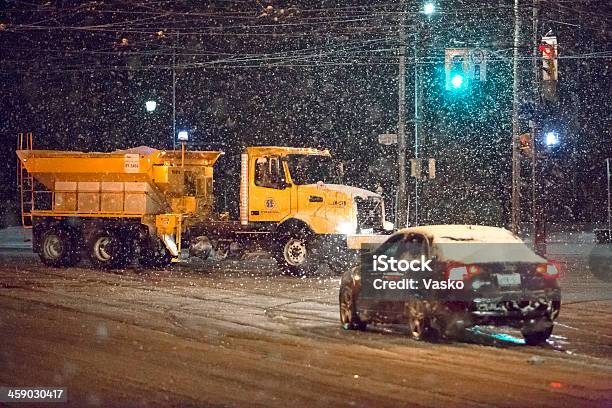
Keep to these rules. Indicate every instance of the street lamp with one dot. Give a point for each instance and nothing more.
(429, 8)
(551, 139)
(182, 136)
(150, 105)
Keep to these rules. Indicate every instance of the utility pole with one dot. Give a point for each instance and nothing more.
(401, 214)
(538, 230)
(417, 119)
(516, 165)
(174, 92)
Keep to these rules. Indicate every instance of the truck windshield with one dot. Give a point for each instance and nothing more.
(310, 169)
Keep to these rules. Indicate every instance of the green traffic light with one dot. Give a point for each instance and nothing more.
(429, 9)
(457, 81)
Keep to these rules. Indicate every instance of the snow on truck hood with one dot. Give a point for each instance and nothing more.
(348, 190)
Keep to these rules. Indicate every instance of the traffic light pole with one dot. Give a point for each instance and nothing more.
(417, 119)
(174, 92)
(516, 165)
(401, 214)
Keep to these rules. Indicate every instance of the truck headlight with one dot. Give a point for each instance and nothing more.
(346, 228)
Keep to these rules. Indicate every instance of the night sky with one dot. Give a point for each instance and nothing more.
(313, 73)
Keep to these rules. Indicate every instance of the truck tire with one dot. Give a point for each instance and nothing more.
(110, 250)
(297, 253)
(58, 248)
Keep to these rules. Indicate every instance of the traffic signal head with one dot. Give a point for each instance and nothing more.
(457, 80)
(456, 67)
(525, 143)
(547, 51)
(548, 47)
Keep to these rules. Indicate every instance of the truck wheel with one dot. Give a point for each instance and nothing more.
(348, 314)
(58, 248)
(108, 249)
(297, 254)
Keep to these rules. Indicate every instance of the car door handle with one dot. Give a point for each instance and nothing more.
(315, 199)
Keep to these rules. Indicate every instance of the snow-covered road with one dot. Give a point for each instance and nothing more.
(238, 334)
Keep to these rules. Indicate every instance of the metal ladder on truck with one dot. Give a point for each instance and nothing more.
(25, 182)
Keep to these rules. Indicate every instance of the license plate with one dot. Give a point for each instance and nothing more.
(510, 279)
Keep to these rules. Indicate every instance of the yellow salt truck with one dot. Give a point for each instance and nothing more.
(148, 204)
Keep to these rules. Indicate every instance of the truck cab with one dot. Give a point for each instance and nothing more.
(285, 183)
(296, 194)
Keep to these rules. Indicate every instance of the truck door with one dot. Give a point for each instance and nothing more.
(269, 194)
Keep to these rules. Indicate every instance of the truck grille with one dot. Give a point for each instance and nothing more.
(369, 213)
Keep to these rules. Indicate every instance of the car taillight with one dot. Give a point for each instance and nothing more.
(548, 270)
(459, 272)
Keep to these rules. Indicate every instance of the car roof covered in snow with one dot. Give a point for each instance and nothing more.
(476, 244)
(463, 233)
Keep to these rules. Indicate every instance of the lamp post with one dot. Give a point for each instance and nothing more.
(428, 10)
(401, 215)
(182, 136)
(150, 106)
(402, 199)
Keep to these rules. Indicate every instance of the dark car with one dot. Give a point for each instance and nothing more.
(445, 278)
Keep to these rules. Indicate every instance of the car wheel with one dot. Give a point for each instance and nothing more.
(297, 254)
(58, 248)
(348, 314)
(537, 338)
(418, 320)
(108, 249)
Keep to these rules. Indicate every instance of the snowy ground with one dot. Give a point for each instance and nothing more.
(238, 334)
(15, 238)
